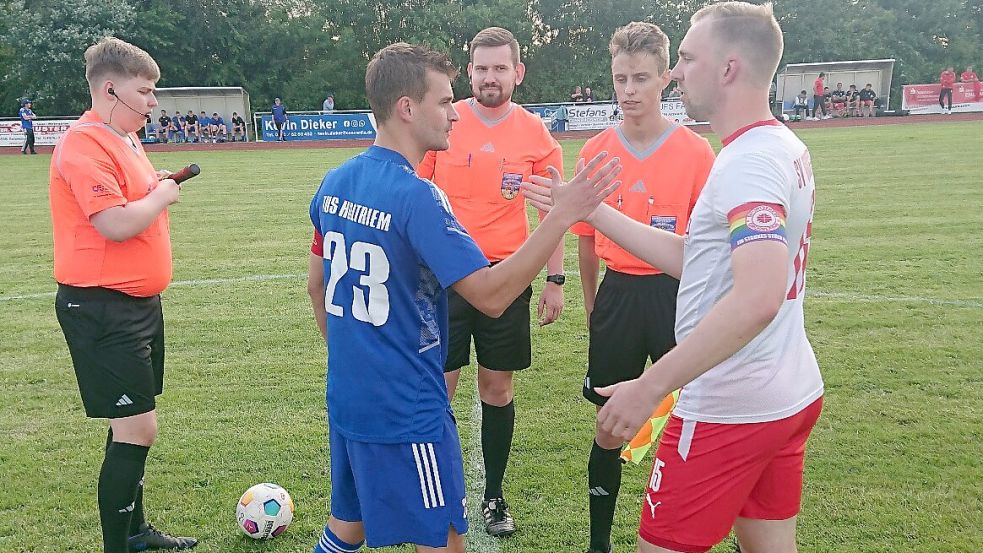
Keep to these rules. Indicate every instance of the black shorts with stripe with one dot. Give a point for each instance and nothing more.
(117, 347)
(633, 322)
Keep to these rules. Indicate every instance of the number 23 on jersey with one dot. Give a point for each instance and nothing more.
(370, 298)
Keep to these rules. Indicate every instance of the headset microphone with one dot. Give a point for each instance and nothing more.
(114, 95)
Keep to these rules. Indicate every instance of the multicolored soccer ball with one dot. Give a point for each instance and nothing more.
(264, 511)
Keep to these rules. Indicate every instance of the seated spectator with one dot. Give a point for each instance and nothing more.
(163, 125)
(867, 99)
(799, 105)
(588, 95)
(205, 125)
(238, 127)
(853, 101)
(577, 95)
(827, 103)
(219, 129)
(177, 128)
(191, 127)
(838, 100)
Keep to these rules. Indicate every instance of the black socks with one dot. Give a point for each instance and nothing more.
(604, 482)
(119, 491)
(497, 427)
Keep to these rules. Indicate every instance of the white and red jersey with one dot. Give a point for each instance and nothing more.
(761, 187)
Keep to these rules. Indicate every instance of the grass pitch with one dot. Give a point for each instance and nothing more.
(894, 310)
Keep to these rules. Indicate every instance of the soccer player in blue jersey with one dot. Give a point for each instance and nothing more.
(390, 248)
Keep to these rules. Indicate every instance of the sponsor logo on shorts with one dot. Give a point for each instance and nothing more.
(652, 506)
(123, 401)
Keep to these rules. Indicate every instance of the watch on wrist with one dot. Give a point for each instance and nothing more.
(557, 279)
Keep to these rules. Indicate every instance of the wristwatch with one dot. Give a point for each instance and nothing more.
(557, 279)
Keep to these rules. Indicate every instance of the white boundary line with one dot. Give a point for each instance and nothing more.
(818, 294)
(179, 284)
(874, 298)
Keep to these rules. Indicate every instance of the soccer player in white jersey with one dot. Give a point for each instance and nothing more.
(732, 454)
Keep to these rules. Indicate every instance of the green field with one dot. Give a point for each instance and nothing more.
(895, 313)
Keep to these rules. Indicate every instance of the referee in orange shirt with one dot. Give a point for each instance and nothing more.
(112, 261)
(631, 316)
(494, 146)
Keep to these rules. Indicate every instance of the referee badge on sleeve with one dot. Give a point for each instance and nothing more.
(510, 185)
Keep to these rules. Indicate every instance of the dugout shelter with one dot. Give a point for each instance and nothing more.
(210, 99)
(797, 77)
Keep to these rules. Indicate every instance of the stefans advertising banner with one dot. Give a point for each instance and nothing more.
(924, 98)
(589, 117)
(46, 132)
(335, 126)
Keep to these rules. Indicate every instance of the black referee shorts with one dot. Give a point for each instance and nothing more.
(117, 347)
(502, 344)
(634, 320)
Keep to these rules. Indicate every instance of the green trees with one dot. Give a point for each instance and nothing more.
(302, 50)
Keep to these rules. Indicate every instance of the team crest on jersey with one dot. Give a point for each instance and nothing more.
(510, 185)
(763, 218)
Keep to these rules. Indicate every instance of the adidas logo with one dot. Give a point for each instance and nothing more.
(129, 508)
(639, 186)
(488, 147)
(598, 491)
(124, 400)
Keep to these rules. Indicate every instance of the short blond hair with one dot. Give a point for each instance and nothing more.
(641, 38)
(114, 57)
(493, 37)
(401, 70)
(752, 30)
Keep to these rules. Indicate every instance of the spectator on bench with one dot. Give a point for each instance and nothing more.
(205, 125)
(867, 99)
(163, 125)
(838, 101)
(219, 130)
(176, 128)
(853, 101)
(800, 105)
(191, 127)
(238, 127)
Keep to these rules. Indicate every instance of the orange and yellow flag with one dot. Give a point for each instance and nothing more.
(649, 434)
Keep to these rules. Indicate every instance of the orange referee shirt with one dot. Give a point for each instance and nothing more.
(481, 172)
(94, 168)
(659, 187)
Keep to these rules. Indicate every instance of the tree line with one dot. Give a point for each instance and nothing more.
(302, 50)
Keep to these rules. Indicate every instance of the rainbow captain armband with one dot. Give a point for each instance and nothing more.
(755, 221)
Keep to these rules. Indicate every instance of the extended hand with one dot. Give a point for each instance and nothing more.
(631, 404)
(577, 199)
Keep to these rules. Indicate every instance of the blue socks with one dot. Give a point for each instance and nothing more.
(330, 543)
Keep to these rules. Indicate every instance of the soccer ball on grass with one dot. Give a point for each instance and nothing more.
(264, 511)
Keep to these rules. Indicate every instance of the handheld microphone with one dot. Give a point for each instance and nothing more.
(184, 174)
(114, 95)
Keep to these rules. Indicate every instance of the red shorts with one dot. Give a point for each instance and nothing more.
(705, 475)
